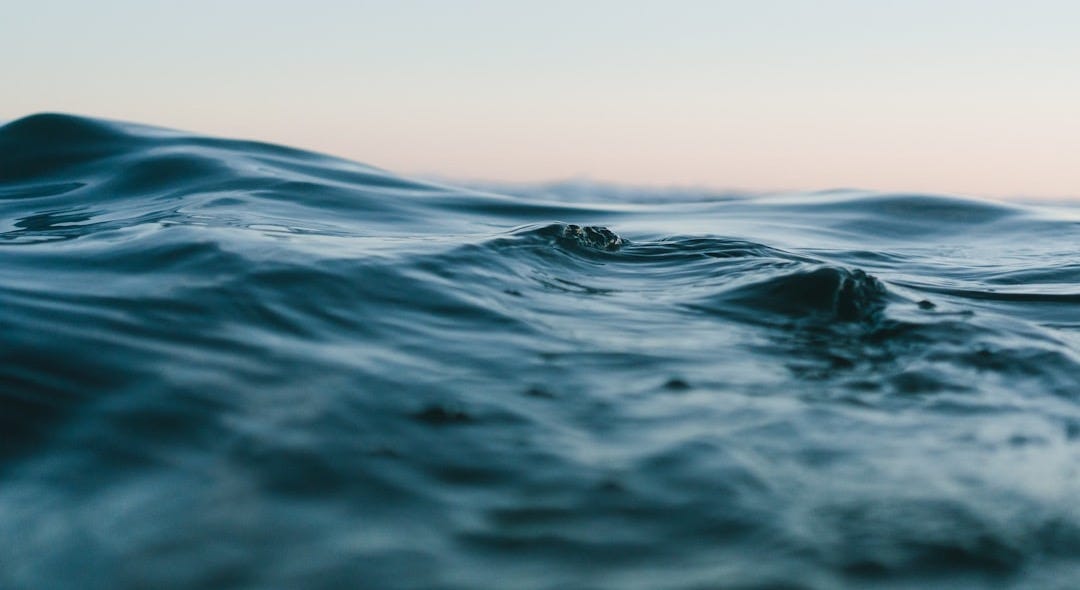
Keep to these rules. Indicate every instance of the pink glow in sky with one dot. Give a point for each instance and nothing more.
(961, 97)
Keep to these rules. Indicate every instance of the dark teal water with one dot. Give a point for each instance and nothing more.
(227, 364)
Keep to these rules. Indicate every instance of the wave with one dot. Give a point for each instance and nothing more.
(232, 364)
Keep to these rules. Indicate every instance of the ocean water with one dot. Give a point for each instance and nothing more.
(226, 364)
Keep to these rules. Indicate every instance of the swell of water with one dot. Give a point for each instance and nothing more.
(231, 364)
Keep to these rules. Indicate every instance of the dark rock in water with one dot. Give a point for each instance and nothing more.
(926, 304)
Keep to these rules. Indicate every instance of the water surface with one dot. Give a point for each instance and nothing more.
(237, 365)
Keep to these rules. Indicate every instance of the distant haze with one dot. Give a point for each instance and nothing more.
(973, 97)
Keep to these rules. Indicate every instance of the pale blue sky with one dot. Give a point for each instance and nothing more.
(966, 97)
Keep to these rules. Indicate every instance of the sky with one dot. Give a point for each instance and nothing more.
(965, 97)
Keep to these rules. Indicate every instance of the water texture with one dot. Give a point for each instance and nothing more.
(227, 364)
